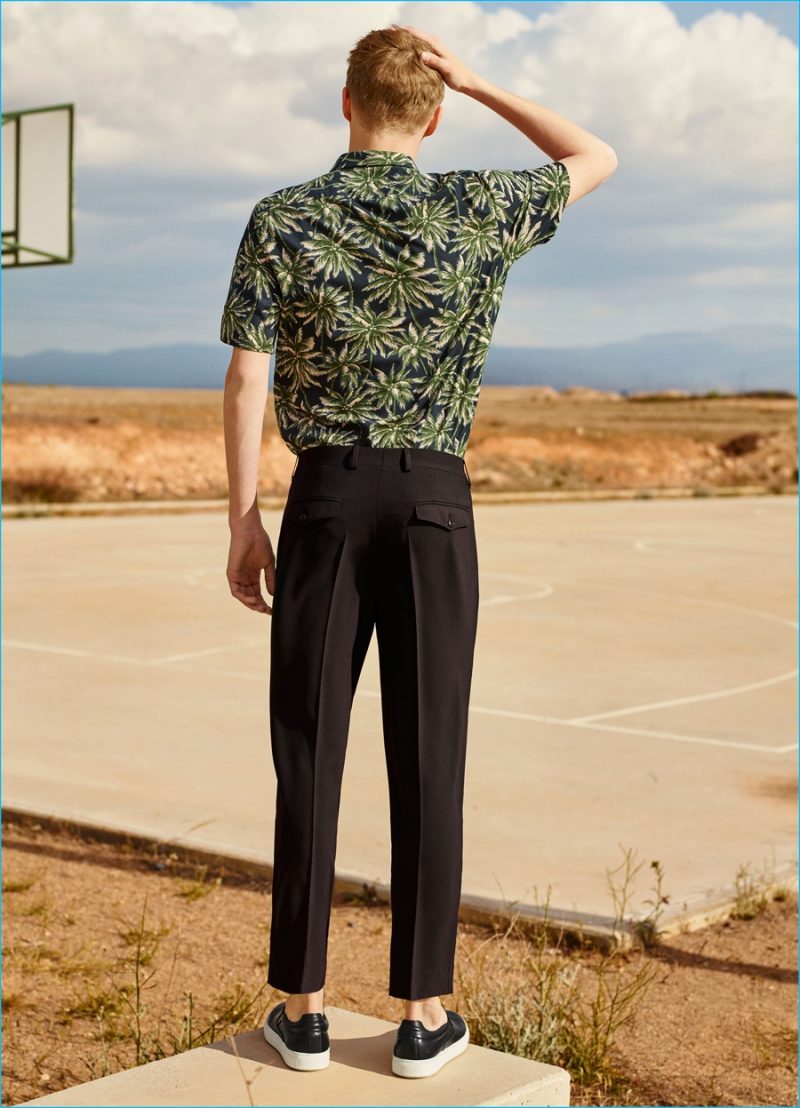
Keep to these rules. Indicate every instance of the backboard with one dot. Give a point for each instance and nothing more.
(38, 186)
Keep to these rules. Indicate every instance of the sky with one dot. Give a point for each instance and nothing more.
(187, 113)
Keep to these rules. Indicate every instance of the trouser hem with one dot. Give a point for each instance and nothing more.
(287, 985)
(402, 993)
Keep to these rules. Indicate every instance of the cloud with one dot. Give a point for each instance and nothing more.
(717, 97)
(186, 113)
(254, 90)
(745, 276)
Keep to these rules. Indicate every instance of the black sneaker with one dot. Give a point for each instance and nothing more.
(419, 1052)
(303, 1043)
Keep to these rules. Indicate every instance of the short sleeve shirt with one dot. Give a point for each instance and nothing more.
(378, 287)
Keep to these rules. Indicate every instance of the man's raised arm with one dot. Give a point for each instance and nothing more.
(588, 159)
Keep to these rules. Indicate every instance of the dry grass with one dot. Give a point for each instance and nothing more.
(63, 444)
(117, 966)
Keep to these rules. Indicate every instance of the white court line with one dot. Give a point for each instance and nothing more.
(103, 657)
(731, 743)
(545, 590)
(261, 640)
(715, 695)
(732, 691)
(532, 718)
(670, 597)
(523, 578)
(700, 547)
(70, 651)
(529, 717)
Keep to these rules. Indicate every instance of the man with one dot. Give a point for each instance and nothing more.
(380, 285)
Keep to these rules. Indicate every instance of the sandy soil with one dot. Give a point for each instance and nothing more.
(716, 1025)
(65, 444)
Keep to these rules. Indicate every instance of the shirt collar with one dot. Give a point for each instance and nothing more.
(353, 159)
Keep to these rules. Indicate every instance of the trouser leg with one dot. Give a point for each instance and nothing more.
(426, 619)
(321, 627)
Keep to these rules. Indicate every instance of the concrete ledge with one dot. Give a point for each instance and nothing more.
(480, 496)
(606, 933)
(360, 1073)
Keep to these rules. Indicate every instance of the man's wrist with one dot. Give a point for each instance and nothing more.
(476, 87)
(243, 526)
(244, 519)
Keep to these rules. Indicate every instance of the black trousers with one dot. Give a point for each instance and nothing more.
(384, 538)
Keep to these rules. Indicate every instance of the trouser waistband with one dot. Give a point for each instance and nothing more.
(358, 454)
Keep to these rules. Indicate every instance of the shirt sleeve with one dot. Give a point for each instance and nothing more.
(252, 307)
(527, 205)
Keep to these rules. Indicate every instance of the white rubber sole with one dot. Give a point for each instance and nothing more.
(426, 1067)
(295, 1058)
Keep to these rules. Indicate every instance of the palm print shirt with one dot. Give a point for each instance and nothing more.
(380, 286)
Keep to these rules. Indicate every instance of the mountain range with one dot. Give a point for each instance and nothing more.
(728, 359)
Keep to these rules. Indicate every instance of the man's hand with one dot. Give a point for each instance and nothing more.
(250, 552)
(456, 75)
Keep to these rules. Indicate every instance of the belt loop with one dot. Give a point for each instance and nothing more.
(296, 463)
(466, 473)
(405, 459)
(351, 459)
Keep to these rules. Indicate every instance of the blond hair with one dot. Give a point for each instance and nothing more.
(391, 87)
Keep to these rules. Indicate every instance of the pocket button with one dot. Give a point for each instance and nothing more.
(303, 515)
(449, 521)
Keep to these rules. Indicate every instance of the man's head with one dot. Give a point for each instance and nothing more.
(389, 90)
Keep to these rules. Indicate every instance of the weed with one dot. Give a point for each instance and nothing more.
(570, 1007)
(92, 1004)
(38, 908)
(644, 928)
(20, 886)
(366, 897)
(754, 891)
(774, 1044)
(199, 887)
(14, 1002)
(144, 941)
(46, 485)
(232, 1010)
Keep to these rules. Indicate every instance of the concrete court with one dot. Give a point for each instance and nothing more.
(634, 688)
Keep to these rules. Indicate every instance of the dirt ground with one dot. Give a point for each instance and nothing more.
(66, 444)
(116, 955)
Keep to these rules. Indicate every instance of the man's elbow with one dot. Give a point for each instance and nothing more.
(603, 158)
(247, 365)
(613, 160)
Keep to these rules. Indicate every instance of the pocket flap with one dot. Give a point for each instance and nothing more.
(449, 516)
(318, 507)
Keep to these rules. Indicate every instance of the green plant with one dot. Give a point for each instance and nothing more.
(193, 890)
(20, 886)
(774, 1044)
(366, 897)
(522, 993)
(94, 1003)
(754, 891)
(644, 928)
(152, 1040)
